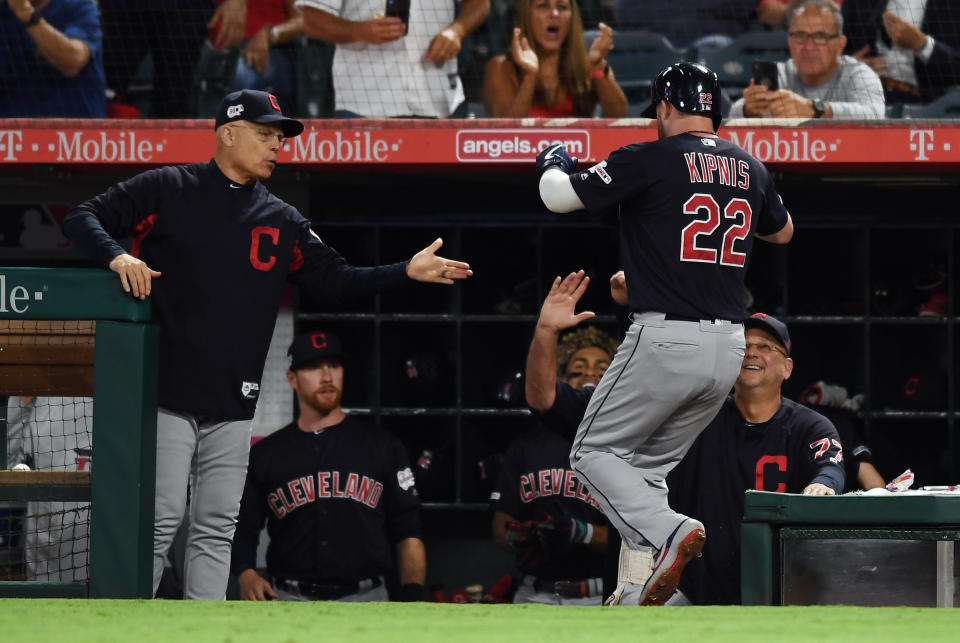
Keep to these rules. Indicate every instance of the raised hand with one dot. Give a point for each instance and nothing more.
(600, 47)
(523, 54)
(557, 312)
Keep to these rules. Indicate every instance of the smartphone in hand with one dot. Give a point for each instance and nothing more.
(399, 9)
(765, 73)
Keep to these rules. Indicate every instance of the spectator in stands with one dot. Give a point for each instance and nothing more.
(171, 33)
(336, 493)
(818, 81)
(53, 434)
(695, 23)
(386, 69)
(263, 62)
(554, 528)
(548, 71)
(51, 60)
(916, 51)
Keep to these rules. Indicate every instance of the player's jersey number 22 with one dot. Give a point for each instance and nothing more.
(694, 249)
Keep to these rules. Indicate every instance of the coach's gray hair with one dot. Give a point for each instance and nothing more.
(797, 7)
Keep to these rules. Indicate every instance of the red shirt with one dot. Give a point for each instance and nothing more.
(563, 108)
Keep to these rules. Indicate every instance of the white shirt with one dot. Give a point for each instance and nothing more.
(900, 63)
(393, 79)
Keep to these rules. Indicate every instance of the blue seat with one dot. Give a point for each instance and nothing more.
(947, 106)
(734, 64)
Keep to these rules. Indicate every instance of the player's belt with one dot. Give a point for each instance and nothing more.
(672, 317)
(569, 588)
(326, 591)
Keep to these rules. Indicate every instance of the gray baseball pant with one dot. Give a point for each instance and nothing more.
(664, 385)
(210, 456)
(527, 593)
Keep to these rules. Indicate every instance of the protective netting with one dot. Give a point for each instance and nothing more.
(432, 58)
(45, 541)
(51, 435)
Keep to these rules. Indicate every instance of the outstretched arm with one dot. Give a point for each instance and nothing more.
(556, 314)
(427, 266)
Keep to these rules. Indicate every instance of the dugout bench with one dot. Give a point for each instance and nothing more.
(896, 549)
(112, 357)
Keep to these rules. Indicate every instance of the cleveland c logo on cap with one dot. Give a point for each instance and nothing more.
(274, 102)
(320, 339)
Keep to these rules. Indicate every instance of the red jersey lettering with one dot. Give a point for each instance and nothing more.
(273, 234)
(691, 158)
(781, 463)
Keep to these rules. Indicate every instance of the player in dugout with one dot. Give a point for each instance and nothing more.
(758, 440)
(214, 248)
(337, 495)
(541, 513)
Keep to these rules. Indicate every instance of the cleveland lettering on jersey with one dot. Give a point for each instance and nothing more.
(306, 489)
(553, 482)
(705, 167)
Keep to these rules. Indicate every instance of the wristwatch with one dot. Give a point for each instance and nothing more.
(33, 19)
(818, 108)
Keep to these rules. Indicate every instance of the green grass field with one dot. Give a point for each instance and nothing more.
(41, 620)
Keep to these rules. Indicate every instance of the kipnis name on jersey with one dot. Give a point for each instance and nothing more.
(705, 167)
(306, 489)
(554, 482)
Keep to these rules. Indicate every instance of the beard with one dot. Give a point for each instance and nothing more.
(320, 400)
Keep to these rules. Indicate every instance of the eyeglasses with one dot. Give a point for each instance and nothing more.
(265, 135)
(818, 37)
(765, 348)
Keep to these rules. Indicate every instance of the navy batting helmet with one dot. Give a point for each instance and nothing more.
(689, 87)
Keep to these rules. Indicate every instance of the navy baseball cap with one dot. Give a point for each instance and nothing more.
(772, 325)
(309, 347)
(257, 107)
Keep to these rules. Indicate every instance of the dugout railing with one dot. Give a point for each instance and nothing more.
(122, 378)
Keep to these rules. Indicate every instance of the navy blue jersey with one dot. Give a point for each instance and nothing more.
(334, 501)
(225, 251)
(569, 405)
(689, 207)
(855, 450)
(536, 480)
(795, 447)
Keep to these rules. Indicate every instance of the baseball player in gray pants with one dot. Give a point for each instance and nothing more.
(690, 205)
